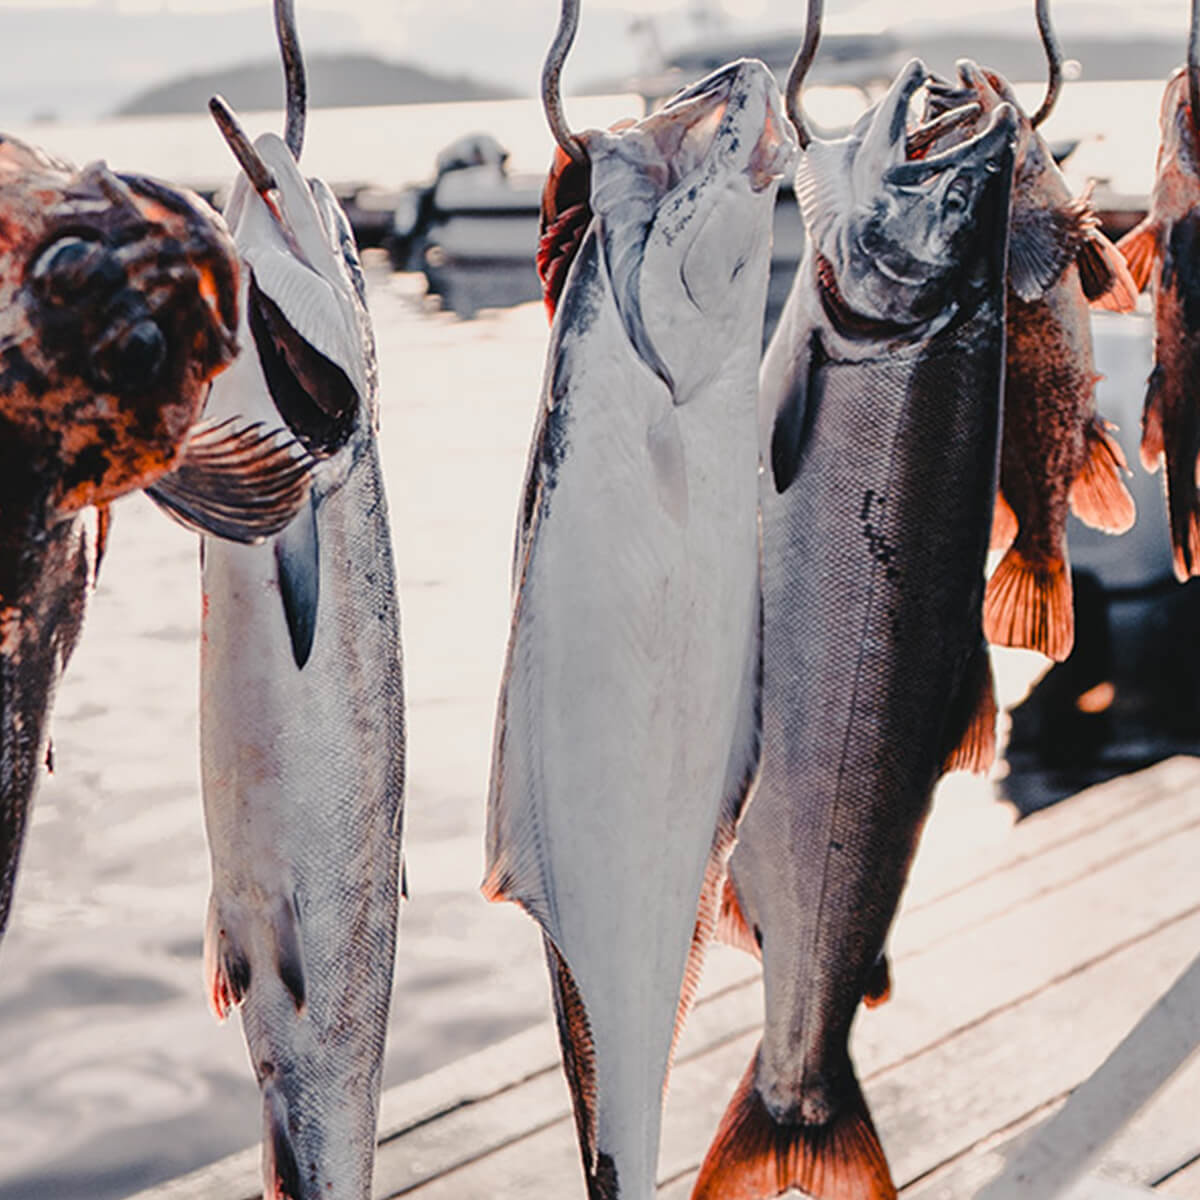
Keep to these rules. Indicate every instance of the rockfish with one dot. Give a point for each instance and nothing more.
(627, 724)
(301, 706)
(118, 304)
(1056, 453)
(880, 412)
(1162, 250)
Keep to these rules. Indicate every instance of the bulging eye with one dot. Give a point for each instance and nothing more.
(72, 265)
(136, 359)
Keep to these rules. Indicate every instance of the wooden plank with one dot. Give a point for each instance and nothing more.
(927, 1108)
(1139, 1067)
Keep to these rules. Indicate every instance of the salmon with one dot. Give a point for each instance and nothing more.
(880, 412)
(1161, 251)
(627, 722)
(1056, 453)
(118, 305)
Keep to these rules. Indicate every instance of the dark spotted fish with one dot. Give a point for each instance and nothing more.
(1164, 251)
(627, 725)
(880, 414)
(1056, 453)
(118, 304)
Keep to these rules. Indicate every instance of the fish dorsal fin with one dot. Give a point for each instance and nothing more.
(823, 187)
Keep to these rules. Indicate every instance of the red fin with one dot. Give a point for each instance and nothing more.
(1099, 497)
(1107, 282)
(976, 749)
(879, 983)
(1153, 447)
(1140, 248)
(1004, 524)
(754, 1158)
(1028, 605)
(578, 1052)
(732, 927)
(226, 967)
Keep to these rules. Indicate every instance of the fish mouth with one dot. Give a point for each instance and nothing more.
(983, 151)
(883, 132)
(733, 115)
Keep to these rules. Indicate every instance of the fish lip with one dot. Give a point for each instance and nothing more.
(884, 268)
(1002, 123)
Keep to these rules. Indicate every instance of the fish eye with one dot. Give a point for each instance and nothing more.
(73, 263)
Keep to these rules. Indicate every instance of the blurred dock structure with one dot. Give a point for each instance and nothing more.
(1017, 965)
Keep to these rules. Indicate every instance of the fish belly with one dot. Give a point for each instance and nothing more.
(623, 699)
(872, 583)
(303, 774)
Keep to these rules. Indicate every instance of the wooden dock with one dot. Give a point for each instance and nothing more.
(1016, 969)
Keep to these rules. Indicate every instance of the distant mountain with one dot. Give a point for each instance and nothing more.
(334, 81)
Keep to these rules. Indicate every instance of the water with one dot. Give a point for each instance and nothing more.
(113, 1074)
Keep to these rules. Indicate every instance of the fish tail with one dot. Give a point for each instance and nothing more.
(1099, 497)
(1140, 248)
(755, 1157)
(1028, 605)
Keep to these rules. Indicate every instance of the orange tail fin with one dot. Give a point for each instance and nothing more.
(1099, 497)
(754, 1158)
(1140, 248)
(1028, 605)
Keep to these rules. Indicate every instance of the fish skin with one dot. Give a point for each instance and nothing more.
(1056, 454)
(1162, 251)
(303, 755)
(117, 306)
(627, 723)
(880, 417)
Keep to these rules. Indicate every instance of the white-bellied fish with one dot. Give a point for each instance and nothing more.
(301, 705)
(880, 411)
(627, 724)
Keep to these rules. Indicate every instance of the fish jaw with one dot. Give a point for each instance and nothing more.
(121, 310)
(662, 190)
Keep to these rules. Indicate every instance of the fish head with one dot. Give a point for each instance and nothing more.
(304, 315)
(896, 239)
(119, 304)
(683, 200)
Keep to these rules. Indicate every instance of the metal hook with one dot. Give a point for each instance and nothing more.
(800, 65)
(260, 175)
(1053, 59)
(568, 23)
(1193, 69)
(293, 73)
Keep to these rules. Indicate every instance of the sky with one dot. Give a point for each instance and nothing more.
(81, 58)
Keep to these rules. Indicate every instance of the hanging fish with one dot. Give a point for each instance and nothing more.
(627, 724)
(1056, 453)
(1162, 251)
(880, 408)
(301, 696)
(118, 304)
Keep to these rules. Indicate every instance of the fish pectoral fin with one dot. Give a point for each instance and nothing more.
(234, 481)
(1107, 281)
(732, 927)
(1098, 496)
(1139, 247)
(755, 1157)
(298, 568)
(975, 749)
(1028, 604)
(1004, 524)
(879, 983)
(1042, 244)
(792, 418)
(226, 962)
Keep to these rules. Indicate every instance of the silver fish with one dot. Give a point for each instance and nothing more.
(301, 708)
(880, 407)
(627, 722)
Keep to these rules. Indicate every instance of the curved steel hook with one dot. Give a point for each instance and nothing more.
(293, 73)
(1053, 59)
(564, 35)
(800, 65)
(261, 177)
(1193, 69)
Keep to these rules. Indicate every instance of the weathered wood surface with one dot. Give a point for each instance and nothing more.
(1017, 968)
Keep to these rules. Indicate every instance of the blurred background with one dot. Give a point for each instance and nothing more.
(113, 1075)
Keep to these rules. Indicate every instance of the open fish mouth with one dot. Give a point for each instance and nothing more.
(734, 115)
